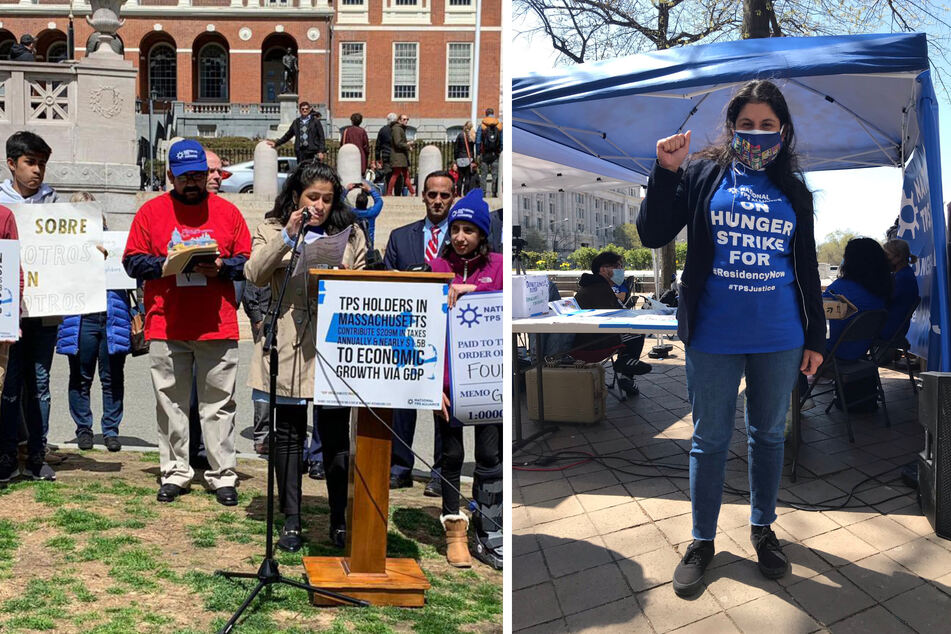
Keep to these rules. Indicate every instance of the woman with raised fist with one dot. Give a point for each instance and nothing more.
(750, 304)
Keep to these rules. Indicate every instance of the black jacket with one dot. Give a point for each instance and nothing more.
(20, 53)
(384, 144)
(595, 292)
(315, 137)
(682, 198)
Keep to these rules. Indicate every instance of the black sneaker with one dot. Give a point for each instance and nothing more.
(37, 468)
(641, 368)
(316, 471)
(688, 576)
(397, 482)
(630, 387)
(433, 488)
(84, 439)
(772, 562)
(9, 467)
(112, 443)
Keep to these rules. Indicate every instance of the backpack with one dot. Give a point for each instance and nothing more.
(491, 141)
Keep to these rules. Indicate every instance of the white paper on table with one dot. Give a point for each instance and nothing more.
(320, 249)
(114, 244)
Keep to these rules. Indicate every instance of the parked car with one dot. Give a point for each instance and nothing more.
(241, 180)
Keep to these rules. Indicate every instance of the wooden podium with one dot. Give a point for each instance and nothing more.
(365, 572)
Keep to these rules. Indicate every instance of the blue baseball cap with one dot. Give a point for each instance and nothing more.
(472, 208)
(187, 156)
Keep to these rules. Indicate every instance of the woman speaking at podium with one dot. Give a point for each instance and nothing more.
(316, 188)
(469, 256)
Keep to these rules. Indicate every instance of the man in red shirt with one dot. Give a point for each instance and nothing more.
(191, 319)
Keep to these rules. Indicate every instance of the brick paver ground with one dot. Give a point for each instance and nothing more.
(595, 548)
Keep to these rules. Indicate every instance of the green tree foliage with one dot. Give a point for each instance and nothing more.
(534, 240)
(832, 249)
(626, 236)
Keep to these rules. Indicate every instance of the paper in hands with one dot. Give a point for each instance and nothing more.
(320, 249)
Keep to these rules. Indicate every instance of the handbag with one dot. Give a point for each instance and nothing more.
(138, 344)
(464, 161)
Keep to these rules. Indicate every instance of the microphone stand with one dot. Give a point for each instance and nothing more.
(269, 573)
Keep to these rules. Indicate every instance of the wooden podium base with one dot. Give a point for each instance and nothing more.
(402, 585)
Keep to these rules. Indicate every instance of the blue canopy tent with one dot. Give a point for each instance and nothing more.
(857, 101)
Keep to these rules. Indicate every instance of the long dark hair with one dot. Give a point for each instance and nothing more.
(864, 262)
(304, 176)
(483, 248)
(784, 172)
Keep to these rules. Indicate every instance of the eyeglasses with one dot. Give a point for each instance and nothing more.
(435, 195)
(194, 177)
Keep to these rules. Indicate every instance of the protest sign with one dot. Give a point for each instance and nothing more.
(9, 290)
(475, 362)
(385, 339)
(529, 296)
(63, 270)
(114, 244)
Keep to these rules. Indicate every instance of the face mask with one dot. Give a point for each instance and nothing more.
(617, 277)
(756, 148)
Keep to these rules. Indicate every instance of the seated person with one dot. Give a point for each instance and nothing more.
(596, 290)
(865, 280)
(904, 287)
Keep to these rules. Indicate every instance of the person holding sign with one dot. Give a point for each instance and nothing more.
(468, 255)
(191, 318)
(9, 466)
(314, 188)
(750, 304)
(103, 339)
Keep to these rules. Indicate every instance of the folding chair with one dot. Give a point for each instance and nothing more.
(864, 326)
(881, 351)
(603, 355)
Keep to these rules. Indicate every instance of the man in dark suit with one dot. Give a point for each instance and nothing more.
(409, 247)
(308, 133)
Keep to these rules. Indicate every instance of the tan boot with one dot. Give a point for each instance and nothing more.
(457, 540)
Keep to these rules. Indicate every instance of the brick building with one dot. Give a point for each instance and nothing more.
(368, 56)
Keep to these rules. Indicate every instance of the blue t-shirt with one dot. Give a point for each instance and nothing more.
(863, 300)
(904, 295)
(748, 304)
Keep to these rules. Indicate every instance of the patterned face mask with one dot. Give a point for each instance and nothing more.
(756, 148)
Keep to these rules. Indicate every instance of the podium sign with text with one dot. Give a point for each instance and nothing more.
(9, 290)
(475, 352)
(114, 244)
(386, 340)
(62, 267)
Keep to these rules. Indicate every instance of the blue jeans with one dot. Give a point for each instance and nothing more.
(93, 350)
(28, 374)
(401, 458)
(713, 381)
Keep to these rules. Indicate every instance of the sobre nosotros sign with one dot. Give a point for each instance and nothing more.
(386, 340)
(64, 272)
(475, 361)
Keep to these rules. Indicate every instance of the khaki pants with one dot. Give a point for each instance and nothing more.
(216, 364)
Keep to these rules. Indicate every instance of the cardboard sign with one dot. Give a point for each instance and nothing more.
(114, 244)
(838, 308)
(9, 290)
(529, 296)
(383, 341)
(476, 345)
(63, 269)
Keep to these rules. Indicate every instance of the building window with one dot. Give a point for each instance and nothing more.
(56, 52)
(213, 73)
(405, 70)
(406, 3)
(460, 3)
(352, 70)
(352, 3)
(458, 70)
(526, 204)
(162, 72)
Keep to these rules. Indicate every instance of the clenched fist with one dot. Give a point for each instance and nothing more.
(672, 151)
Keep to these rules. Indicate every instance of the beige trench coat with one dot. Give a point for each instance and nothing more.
(297, 317)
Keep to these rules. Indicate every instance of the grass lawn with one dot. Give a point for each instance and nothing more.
(94, 552)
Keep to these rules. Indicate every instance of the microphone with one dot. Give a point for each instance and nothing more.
(305, 216)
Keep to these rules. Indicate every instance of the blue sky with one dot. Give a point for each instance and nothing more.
(864, 202)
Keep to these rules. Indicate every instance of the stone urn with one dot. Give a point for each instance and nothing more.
(105, 19)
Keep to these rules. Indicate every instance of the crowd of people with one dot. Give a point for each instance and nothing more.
(191, 325)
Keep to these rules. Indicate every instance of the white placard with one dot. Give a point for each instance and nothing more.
(114, 244)
(564, 306)
(387, 340)
(476, 343)
(529, 296)
(64, 273)
(9, 290)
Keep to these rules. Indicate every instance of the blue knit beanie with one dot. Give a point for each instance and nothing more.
(471, 208)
